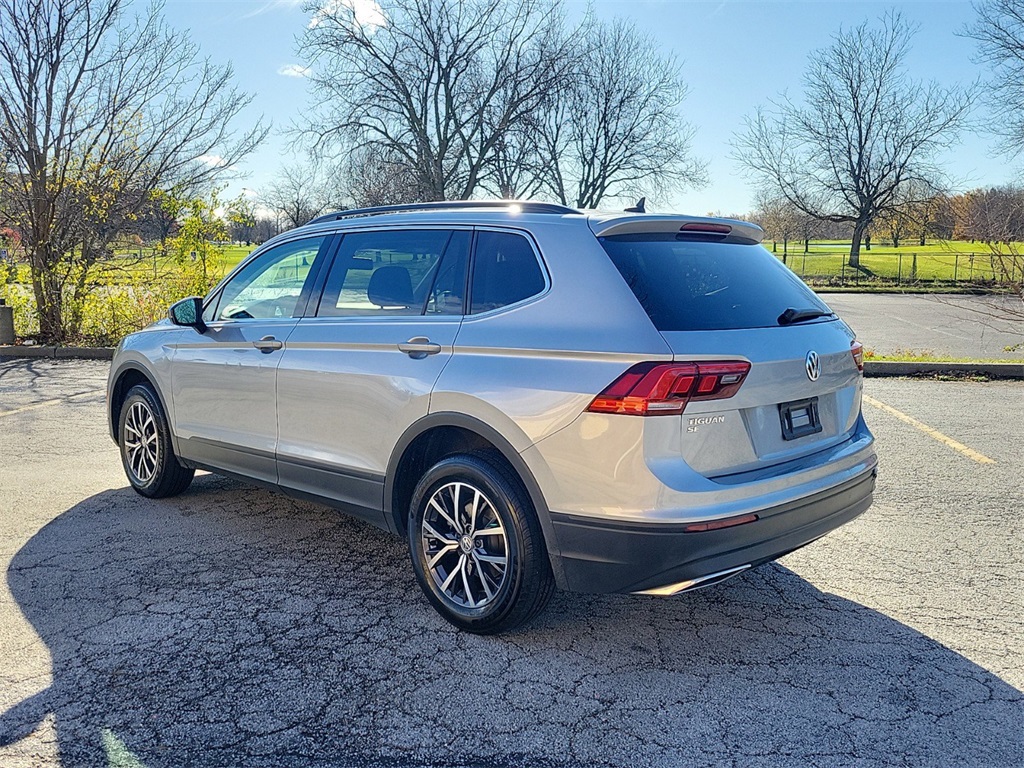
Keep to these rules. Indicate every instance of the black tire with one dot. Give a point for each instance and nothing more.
(506, 527)
(147, 453)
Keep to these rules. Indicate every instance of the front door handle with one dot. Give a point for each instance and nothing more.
(268, 344)
(419, 347)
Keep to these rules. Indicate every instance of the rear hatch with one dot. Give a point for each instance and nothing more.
(716, 297)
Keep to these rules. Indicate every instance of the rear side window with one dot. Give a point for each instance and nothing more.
(394, 273)
(687, 285)
(505, 270)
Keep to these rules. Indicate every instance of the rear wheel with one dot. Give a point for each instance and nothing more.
(146, 451)
(476, 545)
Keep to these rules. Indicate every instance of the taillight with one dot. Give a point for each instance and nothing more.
(656, 389)
(857, 350)
(706, 228)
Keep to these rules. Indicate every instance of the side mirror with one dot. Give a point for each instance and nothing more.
(188, 312)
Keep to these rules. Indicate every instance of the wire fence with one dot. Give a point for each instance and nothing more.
(983, 270)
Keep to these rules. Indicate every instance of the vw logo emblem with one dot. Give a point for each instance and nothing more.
(812, 365)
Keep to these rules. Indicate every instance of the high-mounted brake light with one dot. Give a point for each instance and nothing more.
(700, 226)
(657, 389)
(857, 350)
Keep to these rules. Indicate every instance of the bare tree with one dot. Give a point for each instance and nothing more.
(99, 108)
(613, 126)
(437, 83)
(302, 191)
(374, 177)
(863, 130)
(999, 31)
(779, 219)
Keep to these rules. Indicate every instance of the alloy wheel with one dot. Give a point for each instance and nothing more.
(141, 442)
(465, 545)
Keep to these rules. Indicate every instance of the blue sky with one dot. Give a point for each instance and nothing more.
(735, 56)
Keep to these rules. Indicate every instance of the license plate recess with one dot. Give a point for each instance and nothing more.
(799, 418)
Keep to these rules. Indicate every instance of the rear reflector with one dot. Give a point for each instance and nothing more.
(658, 389)
(715, 525)
(857, 350)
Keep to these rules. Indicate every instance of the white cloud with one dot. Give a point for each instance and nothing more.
(214, 161)
(293, 70)
(365, 14)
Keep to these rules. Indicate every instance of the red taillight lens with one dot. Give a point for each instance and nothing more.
(706, 227)
(857, 350)
(656, 389)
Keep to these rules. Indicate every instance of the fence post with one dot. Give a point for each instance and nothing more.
(804, 268)
(971, 275)
(956, 267)
(842, 270)
(899, 269)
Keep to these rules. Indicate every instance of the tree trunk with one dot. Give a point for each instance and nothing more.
(867, 242)
(858, 233)
(807, 244)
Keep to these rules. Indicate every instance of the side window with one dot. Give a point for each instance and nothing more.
(505, 270)
(378, 274)
(447, 294)
(269, 286)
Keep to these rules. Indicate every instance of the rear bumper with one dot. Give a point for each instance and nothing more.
(605, 556)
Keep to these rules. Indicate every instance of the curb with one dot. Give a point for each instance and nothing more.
(59, 353)
(881, 368)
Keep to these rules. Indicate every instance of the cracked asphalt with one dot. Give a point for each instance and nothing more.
(233, 626)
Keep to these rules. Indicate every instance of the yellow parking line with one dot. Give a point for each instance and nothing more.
(931, 432)
(55, 401)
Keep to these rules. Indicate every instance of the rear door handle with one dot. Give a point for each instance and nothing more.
(268, 344)
(419, 347)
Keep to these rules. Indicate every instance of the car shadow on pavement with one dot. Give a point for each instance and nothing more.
(235, 626)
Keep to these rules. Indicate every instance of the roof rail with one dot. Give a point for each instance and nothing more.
(525, 206)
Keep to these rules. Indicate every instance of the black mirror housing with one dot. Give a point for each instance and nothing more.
(188, 312)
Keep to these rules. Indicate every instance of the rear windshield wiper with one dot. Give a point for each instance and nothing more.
(793, 315)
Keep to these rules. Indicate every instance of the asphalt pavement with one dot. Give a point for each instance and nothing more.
(233, 626)
(942, 325)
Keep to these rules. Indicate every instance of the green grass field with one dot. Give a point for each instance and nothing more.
(946, 261)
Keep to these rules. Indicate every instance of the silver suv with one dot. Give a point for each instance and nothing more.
(533, 395)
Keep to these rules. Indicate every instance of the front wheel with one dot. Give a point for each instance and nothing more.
(146, 451)
(476, 545)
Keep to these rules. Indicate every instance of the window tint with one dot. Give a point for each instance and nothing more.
(505, 270)
(384, 273)
(270, 285)
(694, 286)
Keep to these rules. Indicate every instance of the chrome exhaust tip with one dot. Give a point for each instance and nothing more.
(699, 583)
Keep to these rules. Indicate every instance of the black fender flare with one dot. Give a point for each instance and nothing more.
(133, 365)
(504, 447)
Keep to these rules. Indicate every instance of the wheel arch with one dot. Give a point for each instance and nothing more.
(128, 375)
(442, 434)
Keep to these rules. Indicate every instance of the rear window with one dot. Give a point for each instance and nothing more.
(687, 285)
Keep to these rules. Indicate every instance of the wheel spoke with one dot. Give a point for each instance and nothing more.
(483, 577)
(441, 553)
(454, 573)
(472, 512)
(469, 593)
(441, 510)
(440, 537)
(493, 559)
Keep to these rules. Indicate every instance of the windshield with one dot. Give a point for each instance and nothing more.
(688, 285)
